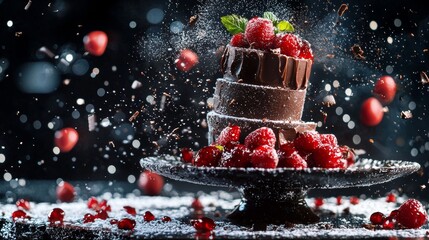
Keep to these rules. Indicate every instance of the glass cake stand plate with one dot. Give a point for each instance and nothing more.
(276, 196)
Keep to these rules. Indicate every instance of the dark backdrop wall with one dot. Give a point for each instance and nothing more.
(144, 39)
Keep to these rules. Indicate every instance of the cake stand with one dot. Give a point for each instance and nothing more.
(277, 196)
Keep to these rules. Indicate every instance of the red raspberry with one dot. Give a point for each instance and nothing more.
(148, 216)
(371, 112)
(126, 224)
(239, 40)
(377, 218)
(286, 149)
(318, 202)
(289, 44)
(329, 139)
(19, 214)
(307, 141)
(412, 214)
(391, 197)
(339, 200)
(348, 155)
(230, 134)
(56, 216)
(197, 205)
(87, 218)
(208, 156)
(130, 210)
(166, 219)
(151, 183)
(65, 192)
(354, 200)
(102, 214)
(385, 89)
(293, 161)
(187, 155)
(260, 33)
(264, 157)
(389, 223)
(259, 137)
(306, 51)
(92, 203)
(204, 224)
(238, 157)
(326, 156)
(23, 204)
(394, 214)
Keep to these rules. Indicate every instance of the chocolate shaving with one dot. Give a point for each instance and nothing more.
(91, 122)
(406, 114)
(343, 8)
(134, 116)
(193, 20)
(357, 52)
(330, 55)
(424, 77)
(369, 226)
(329, 100)
(27, 6)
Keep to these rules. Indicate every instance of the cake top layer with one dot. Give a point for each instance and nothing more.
(265, 51)
(259, 67)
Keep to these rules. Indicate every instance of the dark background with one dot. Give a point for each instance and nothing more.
(146, 53)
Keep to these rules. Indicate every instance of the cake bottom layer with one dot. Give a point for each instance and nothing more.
(284, 130)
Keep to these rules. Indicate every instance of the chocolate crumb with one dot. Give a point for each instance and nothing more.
(240, 80)
(231, 102)
(406, 114)
(343, 8)
(217, 214)
(289, 225)
(329, 100)
(330, 56)
(369, 226)
(134, 116)
(424, 77)
(357, 52)
(211, 204)
(346, 210)
(193, 20)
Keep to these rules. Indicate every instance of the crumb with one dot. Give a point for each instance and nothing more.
(357, 52)
(406, 114)
(343, 8)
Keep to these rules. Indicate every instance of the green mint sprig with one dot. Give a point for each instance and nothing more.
(234, 24)
(237, 24)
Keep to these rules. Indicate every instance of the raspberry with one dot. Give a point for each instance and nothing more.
(260, 33)
(289, 44)
(286, 149)
(385, 89)
(371, 112)
(151, 183)
(187, 154)
(306, 51)
(412, 214)
(307, 141)
(391, 197)
(259, 137)
(354, 200)
(196, 204)
(87, 218)
(208, 156)
(126, 224)
(228, 135)
(95, 42)
(166, 219)
(326, 156)
(19, 214)
(329, 139)
(293, 161)
(239, 40)
(204, 224)
(377, 218)
(130, 210)
(318, 202)
(238, 157)
(65, 192)
(389, 223)
(23, 204)
(56, 216)
(148, 216)
(102, 214)
(264, 157)
(348, 155)
(339, 200)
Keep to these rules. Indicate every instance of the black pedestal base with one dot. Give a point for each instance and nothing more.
(257, 207)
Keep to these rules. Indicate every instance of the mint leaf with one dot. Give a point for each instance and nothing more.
(285, 26)
(271, 16)
(234, 24)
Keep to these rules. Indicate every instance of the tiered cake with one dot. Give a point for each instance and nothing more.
(260, 89)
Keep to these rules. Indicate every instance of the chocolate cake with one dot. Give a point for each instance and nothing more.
(260, 88)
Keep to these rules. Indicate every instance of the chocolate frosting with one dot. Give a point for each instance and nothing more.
(259, 67)
(260, 102)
